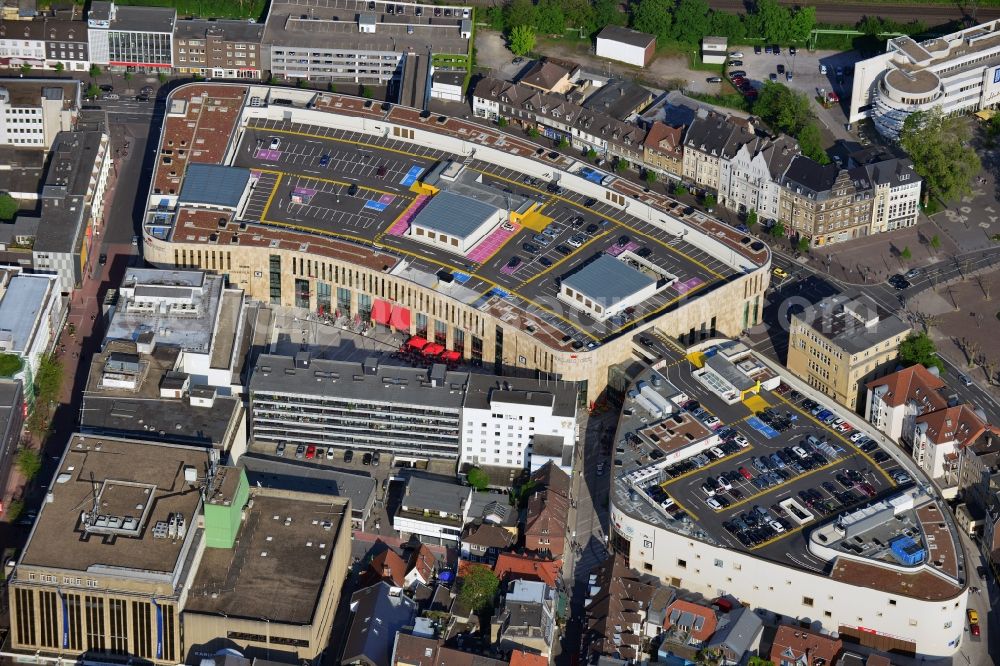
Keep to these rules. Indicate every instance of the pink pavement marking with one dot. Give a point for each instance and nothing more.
(486, 247)
(402, 224)
(616, 249)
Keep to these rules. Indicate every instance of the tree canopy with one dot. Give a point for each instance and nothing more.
(691, 21)
(477, 478)
(811, 143)
(653, 16)
(940, 150)
(919, 348)
(522, 40)
(28, 463)
(8, 207)
(479, 587)
(784, 109)
(10, 364)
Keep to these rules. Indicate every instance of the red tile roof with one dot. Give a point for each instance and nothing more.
(424, 562)
(700, 631)
(915, 383)
(665, 139)
(953, 424)
(387, 566)
(522, 658)
(515, 567)
(792, 643)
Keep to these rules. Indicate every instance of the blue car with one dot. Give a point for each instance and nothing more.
(824, 415)
(324, 161)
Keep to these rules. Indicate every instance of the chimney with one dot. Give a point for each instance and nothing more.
(371, 365)
(302, 360)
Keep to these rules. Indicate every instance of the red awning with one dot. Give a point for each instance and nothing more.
(416, 342)
(380, 312)
(451, 356)
(433, 349)
(400, 319)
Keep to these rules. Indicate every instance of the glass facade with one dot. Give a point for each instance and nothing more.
(139, 48)
(301, 293)
(274, 273)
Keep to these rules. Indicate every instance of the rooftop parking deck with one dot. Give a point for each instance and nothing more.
(766, 475)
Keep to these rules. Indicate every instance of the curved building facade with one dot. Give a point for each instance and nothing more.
(327, 256)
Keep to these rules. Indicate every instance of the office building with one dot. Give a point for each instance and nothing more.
(956, 73)
(896, 185)
(504, 420)
(841, 343)
(191, 311)
(34, 111)
(412, 414)
(358, 42)
(132, 39)
(147, 396)
(31, 315)
(223, 49)
(153, 561)
(825, 203)
(433, 509)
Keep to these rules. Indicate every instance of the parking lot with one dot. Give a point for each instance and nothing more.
(359, 187)
(803, 66)
(780, 465)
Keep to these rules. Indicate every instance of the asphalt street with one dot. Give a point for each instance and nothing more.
(813, 284)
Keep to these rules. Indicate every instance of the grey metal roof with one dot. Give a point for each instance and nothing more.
(144, 19)
(214, 184)
(738, 632)
(482, 388)
(271, 473)
(728, 371)
(626, 36)
(454, 214)
(20, 306)
(390, 384)
(831, 320)
(434, 495)
(619, 98)
(378, 614)
(607, 280)
(811, 175)
(160, 420)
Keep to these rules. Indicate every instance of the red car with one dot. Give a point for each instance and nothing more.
(974, 629)
(745, 474)
(311, 452)
(867, 489)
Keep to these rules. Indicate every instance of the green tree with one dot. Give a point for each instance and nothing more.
(906, 255)
(162, 77)
(784, 109)
(935, 242)
(479, 587)
(691, 21)
(563, 143)
(10, 365)
(128, 76)
(607, 12)
(771, 21)
(551, 20)
(49, 379)
(520, 12)
(751, 220)
(8, 207)
(679, 190)
(477, 478)
(759, 661)
(95, 71)
(811, 143)
(621, 166)
(532, 132)
(803, 22)
(919, 348)
(501, 122)
(591, 154)
(728, 25)
(940, 150)
(778, 229)
(803, 244)
(28, 463)
(522, 39)
(367, 92)
(579, 14)
(650, 177)
(495, 18)
(59, 67)
(14, 510)
(93, 91)
(710, 202)
(25, 69)
(653, 16)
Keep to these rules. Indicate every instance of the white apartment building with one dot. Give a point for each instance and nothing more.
(34, 111)
(894, 401)
(938, 439)
(506, 420)
(433, 509)
(749, 179)
(957, 73)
